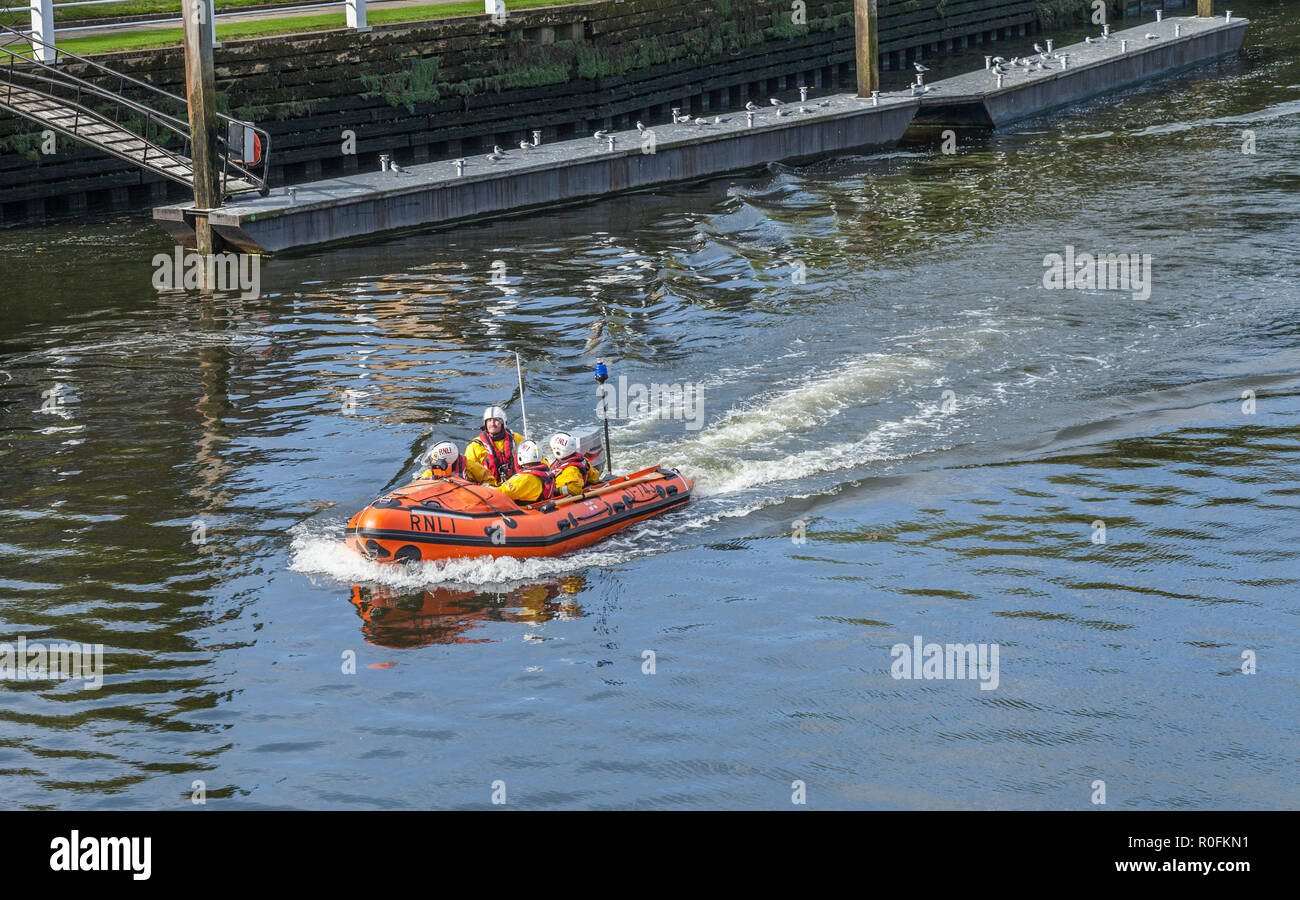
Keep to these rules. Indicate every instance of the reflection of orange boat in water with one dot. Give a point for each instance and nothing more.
(404, 619)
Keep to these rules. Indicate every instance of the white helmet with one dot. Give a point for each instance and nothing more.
(442, 455)
(494, 412)
(563, 445)
(528, 453)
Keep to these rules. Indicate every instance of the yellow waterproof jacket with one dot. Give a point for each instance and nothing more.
(527, 487)
(569, 480)
(477, 463)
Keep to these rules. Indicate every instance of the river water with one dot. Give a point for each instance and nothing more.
(915, 440)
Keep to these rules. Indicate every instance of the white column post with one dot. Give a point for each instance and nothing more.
(210, 15)
(43, 30)
(356, 14)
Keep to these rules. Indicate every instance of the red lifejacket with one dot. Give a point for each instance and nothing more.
(499, 465)
(581, 462)
(542, 471)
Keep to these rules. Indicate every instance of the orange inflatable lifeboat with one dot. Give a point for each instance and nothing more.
(447, 518)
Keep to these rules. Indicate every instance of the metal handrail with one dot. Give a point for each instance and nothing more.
(17, 77)
(122, 79)
(231, 167)
(14, 74)
(171, 122)
(73, 133)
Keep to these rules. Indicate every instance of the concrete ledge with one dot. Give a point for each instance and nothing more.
(359, 205)
(974, 98)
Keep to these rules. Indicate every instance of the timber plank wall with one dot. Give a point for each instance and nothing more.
(455, 87)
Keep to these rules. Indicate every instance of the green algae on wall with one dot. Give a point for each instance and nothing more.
(1053, 13)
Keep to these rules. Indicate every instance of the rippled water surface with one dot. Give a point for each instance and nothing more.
(942, 430)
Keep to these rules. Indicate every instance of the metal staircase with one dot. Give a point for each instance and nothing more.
(139, 131)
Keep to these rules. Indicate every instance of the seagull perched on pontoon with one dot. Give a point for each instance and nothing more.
(751, 106)
(718, 120)
(700, 121)
(1152, 37)
(640, 127)
(1090, 40)
(920, 68)
(778, 104)
(497, 154)
(600, 136)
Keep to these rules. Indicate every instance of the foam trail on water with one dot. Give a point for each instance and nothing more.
(715, 456)
(321, 551)
(807, 403)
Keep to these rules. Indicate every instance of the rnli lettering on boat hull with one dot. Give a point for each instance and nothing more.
(423, 522)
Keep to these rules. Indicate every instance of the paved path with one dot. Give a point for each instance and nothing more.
(226, 17)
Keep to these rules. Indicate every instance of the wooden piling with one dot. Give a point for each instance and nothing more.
(865, 20)
(201, 92)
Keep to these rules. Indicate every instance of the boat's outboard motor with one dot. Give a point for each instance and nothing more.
(591, 446)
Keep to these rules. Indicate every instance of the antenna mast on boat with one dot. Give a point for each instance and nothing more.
(602, 375)
(519, 370)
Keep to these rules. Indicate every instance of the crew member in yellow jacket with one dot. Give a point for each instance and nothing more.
(571, 469)
(442, 460)
(490, 457)
(534, 480)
